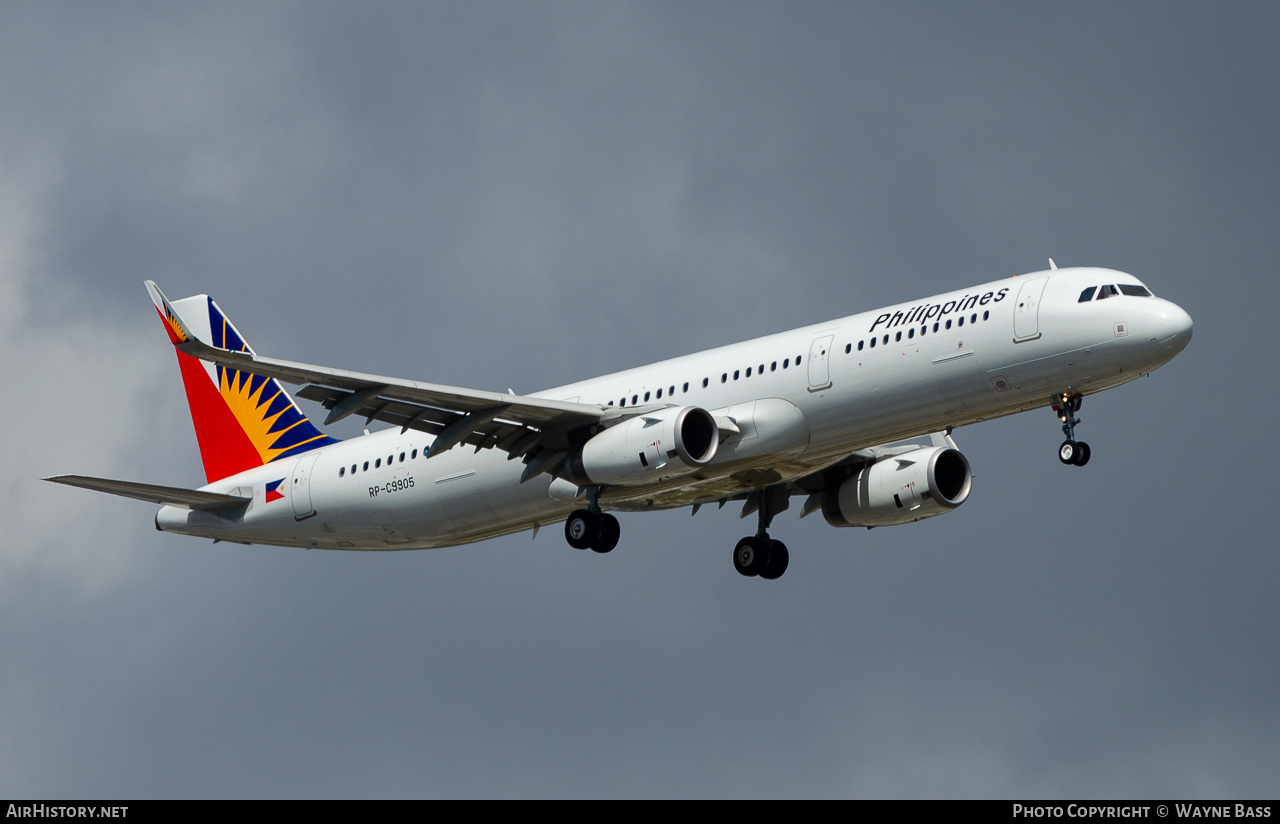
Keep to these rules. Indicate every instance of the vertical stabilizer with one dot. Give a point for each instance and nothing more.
(241, 420)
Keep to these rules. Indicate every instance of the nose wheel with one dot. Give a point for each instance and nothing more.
(1071, 452)
(1074, 453)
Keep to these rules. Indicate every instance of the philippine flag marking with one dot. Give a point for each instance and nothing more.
(273, 491)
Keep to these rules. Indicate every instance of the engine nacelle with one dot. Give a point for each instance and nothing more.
(650, 447)
(900, 489)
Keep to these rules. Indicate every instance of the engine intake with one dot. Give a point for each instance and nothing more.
(900, 489)
(649, 447)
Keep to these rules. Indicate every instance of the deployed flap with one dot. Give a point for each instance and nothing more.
(168, 495)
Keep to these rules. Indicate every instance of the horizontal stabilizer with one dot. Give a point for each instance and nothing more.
(169, 495)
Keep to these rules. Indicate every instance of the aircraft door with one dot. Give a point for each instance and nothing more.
(820, 363)
(300, 487)
(1026, 315)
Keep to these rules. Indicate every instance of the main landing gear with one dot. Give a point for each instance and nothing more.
(759, 554)
(1071, 452)
(592, 529)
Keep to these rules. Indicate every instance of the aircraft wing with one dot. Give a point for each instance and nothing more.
(522, 426)
(170, 495)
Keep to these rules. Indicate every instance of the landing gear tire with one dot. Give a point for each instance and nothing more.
(582, 529)
(597, 531)
(610, 531)
(1074, 453)
(749, 556)
(777, 562)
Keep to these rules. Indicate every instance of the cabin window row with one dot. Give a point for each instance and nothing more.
(911, 332)
(706, 382)
(377, 463)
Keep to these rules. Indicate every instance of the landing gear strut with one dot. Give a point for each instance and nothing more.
(1071, 452)
(759, 554)
(592, 529)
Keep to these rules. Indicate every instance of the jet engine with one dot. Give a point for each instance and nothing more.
(900, 489)
(649, 447)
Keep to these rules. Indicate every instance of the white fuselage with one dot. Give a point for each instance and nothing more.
(802, 400)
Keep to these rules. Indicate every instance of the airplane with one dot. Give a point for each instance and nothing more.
(834, 413)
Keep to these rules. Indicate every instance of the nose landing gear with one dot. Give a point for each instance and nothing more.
(1071, 452)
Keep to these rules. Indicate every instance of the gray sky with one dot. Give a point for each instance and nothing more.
(525, 194)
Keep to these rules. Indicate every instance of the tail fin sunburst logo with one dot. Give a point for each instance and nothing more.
(242, 420)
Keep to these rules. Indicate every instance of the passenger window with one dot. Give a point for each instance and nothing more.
(873, 343)
(659, 393)
(671, 390)
(724, 377)
(773, 367)
(635, 399)
(760, 370)
(735, 374)
(948, 324)
(897, 337)
(401, 457)
(1134, 291)
(622, 402)
(377, 463)
(686, 386)
(986, 314)
(413, 456)
(748, 371)
(961, 322)
(973, 318)
(705, 381)
(860, 346)
(797, 360)
(785, 362)
(1106, 292)
(342, 470)
(366, 466)
(886, 340)
(935, 326)
(353, 469)
(1087, 294)
(646, 397)
(911, 333)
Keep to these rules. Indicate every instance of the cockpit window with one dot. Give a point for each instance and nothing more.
(1134, 290)
(1106, 292)
(1087, 294)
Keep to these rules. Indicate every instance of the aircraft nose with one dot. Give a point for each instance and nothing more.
(1170, 326)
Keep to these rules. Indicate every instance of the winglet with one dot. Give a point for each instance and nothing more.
(179, 332)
